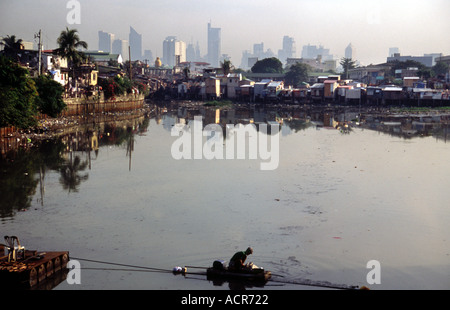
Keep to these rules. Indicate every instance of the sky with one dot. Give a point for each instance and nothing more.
(372, 27)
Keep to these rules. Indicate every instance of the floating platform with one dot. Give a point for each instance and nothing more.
(255, 275)
(35, 269)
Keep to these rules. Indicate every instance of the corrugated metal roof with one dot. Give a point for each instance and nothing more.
(318, 85)
(392, 89)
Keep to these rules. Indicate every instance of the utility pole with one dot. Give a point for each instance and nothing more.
(129, 55)
(39, 35)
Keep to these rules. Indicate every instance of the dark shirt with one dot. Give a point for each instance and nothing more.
(238, 259)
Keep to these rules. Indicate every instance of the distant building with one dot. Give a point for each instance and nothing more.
(148, 57)
(372, 75)
(193, 52)
(27, 45)
(135, 40)
(103, 58)
(196, 68)
(427, 60)
(258, 49)
(288, 50)
(350, 52)
(174, 51)
(214, 45)
(252, 61)
(312, 52)
(121, 47)
(393, 51)
(436, 57)
(105, 41)
(249, 59)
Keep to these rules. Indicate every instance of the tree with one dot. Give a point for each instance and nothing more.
(425, 73)
(347, 64)
(70, 173)
(440, 68)
(186, 72)
(69, 42)
(12, 46)
(297, 73)
(227, 67)
(268, 65)
(50, 99)
(17, 96)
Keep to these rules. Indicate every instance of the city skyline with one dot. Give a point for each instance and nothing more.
(414, 27)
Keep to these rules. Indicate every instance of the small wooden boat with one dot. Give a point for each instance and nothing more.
(221, 271)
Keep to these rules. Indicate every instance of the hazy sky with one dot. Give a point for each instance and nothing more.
(415, 27)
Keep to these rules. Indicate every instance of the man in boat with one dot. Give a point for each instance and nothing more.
(238, 260)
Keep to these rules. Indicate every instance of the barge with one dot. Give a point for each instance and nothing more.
(28, 269)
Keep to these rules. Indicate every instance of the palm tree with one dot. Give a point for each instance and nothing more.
(70, 177)
(69, 42)
(11, 46)
(347, 64)
(226, 66)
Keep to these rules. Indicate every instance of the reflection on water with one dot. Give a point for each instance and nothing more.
(23, 172)
(69, 155)
(351, 187)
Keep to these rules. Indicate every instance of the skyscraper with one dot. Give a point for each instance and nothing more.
(350, 52)
(135, 40)
(288, 51)
(312, 52)
(105, 41)
(214, 45)
(174, 51)
(120, 47)
(193, 52)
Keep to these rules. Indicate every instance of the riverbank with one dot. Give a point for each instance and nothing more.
(48, 128)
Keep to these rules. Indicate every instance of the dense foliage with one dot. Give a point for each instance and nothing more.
(268, 65)
(17, 96)
(297, 74)
(50, 99)
(21, 96)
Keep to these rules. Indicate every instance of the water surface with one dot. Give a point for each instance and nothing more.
(338, 199)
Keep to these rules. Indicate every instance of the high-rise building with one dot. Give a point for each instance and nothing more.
(193, 52)
(350, 52)
(288, 51)
(214, 45)
(258, 49)
(249, 59)
(105, 41)
(190, 52)
(174, 51)
(121, 47)
(312, 52)
(135, 40)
